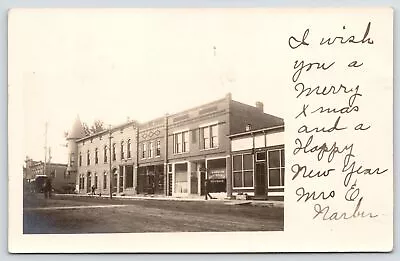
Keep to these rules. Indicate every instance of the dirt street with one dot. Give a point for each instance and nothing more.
(61, 215)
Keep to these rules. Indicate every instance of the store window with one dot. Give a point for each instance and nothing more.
(243, 171)
(181, 176)
(276, 168)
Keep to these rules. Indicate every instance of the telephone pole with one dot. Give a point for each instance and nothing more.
(45, 149)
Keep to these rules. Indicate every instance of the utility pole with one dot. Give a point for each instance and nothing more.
(45, 149)
(110, 159)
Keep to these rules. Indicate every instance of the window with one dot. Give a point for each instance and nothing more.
(81, 182)
(178, 143)
(158, 148)
(209, 137)
(122, 150)
(144, 149)
(80, 159)
(151, 150)
(72, 159)
(181, 142)
(114, 153)
(214, 136)
(96, 156)
(105, 180)
(96, 179)
(129, 176)
(243, 171)
(105, 153)
(206, 138)
(260, 156)
(88, 158)
(185, 139)
(276, 168)
(128, 149)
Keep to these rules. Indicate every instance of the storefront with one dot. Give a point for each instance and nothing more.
(150, 179)
(258, 163)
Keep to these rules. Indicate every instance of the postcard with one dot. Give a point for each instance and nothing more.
(200, 130)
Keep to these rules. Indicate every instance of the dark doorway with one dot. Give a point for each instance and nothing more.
(202, 183)
(260, 177)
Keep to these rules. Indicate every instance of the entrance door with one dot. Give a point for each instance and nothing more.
(202, 183)
(260, 177)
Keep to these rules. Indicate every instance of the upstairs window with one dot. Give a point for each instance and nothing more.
(158, 148)
(122, 150)
(151, 150)
(80, 159)
(96, 156)
(88, 158)
(128, 149)
(181, 142)
(105, 154)
(209, 137)
(72, 159)
(144, 149)
(114, 153)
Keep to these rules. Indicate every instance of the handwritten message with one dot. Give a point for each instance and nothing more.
(323, 151)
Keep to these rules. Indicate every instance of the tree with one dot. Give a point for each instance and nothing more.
(96, 127)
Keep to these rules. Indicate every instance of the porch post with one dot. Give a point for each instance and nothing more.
(135, 171)
(228, 177)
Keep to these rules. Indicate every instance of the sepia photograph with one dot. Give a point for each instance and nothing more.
(156, 128)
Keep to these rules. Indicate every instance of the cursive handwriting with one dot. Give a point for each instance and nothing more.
(325, 213)
(321, 149)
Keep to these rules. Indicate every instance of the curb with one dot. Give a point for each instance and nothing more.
(233, 202)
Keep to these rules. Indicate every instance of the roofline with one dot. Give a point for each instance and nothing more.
(256, 131)
(196, 107)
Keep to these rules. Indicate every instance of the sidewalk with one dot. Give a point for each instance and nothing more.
(259, 203)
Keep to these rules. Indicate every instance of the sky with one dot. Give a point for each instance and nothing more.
(114, 64)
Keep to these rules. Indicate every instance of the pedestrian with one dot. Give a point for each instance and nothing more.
(47, 187)
(93, 190)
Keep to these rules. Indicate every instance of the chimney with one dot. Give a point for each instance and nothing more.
(260, 106)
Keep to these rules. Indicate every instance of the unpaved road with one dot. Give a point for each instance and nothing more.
(62, 215)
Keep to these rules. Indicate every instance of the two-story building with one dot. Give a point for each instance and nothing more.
(172, 155)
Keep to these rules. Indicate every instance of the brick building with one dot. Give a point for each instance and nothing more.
(62, 181)
(171, 155)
